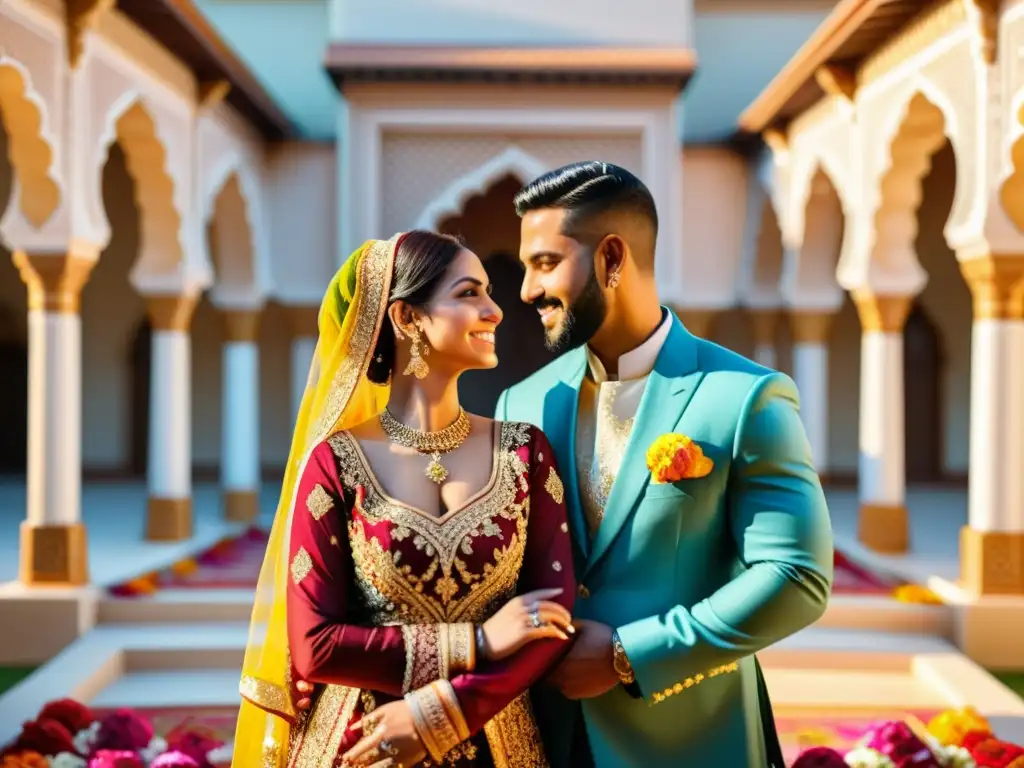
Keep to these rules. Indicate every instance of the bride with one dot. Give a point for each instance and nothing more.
(419, 568)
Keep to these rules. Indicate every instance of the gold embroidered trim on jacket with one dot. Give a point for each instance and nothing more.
(317, 745)
(692, 681)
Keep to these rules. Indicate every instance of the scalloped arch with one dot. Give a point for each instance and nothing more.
(131, 125)
(23, 114)
(812, 266)
(921, 130)
(452, 198)
(236, 268)
(1011, 191)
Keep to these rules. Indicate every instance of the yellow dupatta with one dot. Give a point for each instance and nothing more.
(338, 396)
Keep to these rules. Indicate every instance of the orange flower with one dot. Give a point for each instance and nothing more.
(674, 457)
(950, 727)
(184, 568)
(24, 759)
(915, 593)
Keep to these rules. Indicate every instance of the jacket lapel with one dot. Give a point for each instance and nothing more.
(561, 406)
(669, 389)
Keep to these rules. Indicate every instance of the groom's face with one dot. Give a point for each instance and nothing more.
(560, 281)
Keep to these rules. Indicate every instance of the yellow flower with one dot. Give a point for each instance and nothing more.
(950, 727)
(915, 593)
(674, 457)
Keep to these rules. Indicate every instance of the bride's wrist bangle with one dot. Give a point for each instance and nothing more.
(481, 642)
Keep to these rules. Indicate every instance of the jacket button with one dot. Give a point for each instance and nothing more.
(583, 592)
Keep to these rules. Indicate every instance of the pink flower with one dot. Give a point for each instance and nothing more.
(194, 743)
(123, 730)
(900, 744)
(174, 759)
(115, 758)
(820, 757)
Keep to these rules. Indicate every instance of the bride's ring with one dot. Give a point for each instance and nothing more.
(388, 748)
(535, 618)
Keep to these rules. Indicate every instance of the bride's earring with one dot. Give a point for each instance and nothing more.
(613, 279)
(417, 365)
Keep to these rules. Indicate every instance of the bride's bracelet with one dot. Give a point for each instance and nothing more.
(481, 642)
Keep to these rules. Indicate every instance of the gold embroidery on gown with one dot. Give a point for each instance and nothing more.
(411, 568)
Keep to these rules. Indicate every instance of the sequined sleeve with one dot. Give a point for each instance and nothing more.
(469, 701)
(324, 647)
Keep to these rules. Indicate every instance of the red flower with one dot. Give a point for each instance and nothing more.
(47, 737)
(71, 714)
(123, 730)
(194, 743)
(820, 757)
(994, 753)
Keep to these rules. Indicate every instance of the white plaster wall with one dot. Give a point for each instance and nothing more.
(302, 182)
(666, 23)
(715, 188)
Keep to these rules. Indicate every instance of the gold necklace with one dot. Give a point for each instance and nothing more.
(432, 444)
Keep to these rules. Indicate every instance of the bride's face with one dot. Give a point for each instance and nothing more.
(461, 317)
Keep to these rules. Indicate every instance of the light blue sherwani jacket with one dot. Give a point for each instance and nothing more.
(699, 575)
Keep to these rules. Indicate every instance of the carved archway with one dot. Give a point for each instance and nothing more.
(809, 272)
(1011, 192)
(231, 242)
(452, 199)
(31, 155)
(921, 133)
(135, 130)
(490, 227)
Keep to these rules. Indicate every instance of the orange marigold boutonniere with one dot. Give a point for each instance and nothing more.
(674, 457)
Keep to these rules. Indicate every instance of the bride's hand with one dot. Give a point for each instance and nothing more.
(389, 735)
(524, 618)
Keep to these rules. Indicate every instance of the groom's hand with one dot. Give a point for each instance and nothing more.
(588, 670)
(303, 688)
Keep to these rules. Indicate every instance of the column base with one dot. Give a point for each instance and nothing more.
(991, 562)
(884, 528)
(168, 519)
(53, 555)
(241, 506)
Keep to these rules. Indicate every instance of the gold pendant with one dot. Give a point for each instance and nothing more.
(435, 469)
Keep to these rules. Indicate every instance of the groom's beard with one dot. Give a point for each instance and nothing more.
(580, 321)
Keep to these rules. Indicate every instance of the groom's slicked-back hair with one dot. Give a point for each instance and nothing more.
(586, 191)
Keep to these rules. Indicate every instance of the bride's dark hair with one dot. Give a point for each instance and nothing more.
(421, 260)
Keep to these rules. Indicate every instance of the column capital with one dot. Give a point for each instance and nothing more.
(764, 323)
(881, 313)
(54, 280)
(697, 321)
(810, 326)
(997, 285)
(171, 313)
(242, 325)
(304, 320)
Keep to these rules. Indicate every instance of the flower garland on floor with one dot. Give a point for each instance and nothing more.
(67, 734)
(957, 738)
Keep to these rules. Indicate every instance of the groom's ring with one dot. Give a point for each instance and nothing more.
(535, 618)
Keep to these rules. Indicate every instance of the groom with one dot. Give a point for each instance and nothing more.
(689, 566)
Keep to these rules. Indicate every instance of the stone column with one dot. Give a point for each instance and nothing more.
(992, 543)
(883, 488)
(764, 323)
(810, 372)
(699, 322)
(240, 432)
(304, 337)
(169, 470)
(53, 537)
